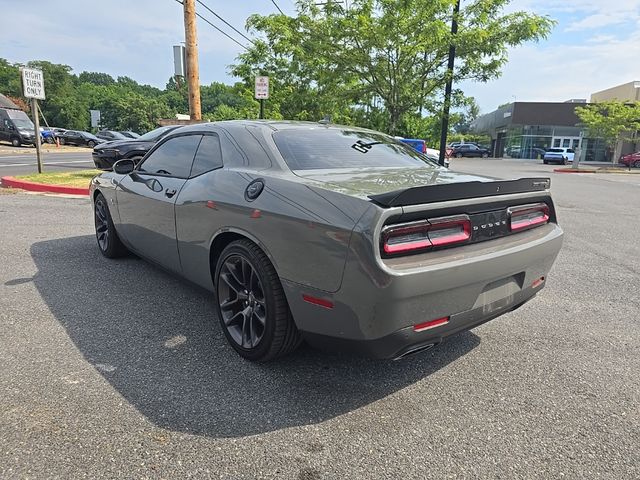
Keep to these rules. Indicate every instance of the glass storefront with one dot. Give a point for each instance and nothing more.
(531, 141)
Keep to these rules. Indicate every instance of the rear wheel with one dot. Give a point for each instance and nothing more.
(108, 241)
(458, 155)
(636, 164)
(62, 141)
(251, 306)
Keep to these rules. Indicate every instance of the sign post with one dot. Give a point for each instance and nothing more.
(33, 88)
(262, 92)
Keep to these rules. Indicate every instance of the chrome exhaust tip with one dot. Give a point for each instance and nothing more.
(414, 350)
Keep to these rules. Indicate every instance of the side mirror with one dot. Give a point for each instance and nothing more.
(124, 166)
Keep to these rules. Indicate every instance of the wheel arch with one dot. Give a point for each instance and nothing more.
(224, 237)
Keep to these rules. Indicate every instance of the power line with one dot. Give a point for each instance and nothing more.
(228, 24)
(217, 28)
(279, 9)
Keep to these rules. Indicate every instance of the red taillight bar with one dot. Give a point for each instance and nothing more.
(524, 217)
(426, 234)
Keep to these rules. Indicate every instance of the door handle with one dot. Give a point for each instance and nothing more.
(170, 192)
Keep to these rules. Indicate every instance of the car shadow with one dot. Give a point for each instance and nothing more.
(156, 340)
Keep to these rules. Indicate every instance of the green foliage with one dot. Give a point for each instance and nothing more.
(378, 56)
(612, 121)
(124, 103)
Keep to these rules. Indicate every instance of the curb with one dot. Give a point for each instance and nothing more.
(43, 187)
(573, 170)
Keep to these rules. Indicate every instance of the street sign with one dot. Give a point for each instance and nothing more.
(262, 88)
(33, 83)
(95, 118)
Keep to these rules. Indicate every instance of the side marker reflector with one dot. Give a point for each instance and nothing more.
(321, 302)
(537, 283)
(430, 324)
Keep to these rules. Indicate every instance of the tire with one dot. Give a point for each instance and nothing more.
(251, 306)
(458, 155)
(15, 141)
(485, 155)
(49, 140)
(62, 141)
(636, 164)
(91, 144)
(108, 241)
(565, 161)
(545, 162)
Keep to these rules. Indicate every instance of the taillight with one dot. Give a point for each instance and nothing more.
(524, 217)
(425, 234)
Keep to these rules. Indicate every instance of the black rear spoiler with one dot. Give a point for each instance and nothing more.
(459, 191)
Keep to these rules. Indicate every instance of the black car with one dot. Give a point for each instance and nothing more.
(105, 155)
(130, 134)
(109, 135)
(470, 150)
(80, 139)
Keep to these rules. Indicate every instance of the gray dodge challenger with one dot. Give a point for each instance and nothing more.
(340, 236)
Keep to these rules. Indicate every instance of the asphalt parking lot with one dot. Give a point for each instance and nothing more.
(115, 369)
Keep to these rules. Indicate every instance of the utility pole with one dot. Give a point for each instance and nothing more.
(448, 87)
(191, 41)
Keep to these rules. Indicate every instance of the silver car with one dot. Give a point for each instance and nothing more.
(340, 236)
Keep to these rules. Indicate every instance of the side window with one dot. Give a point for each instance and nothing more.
(173, 157)
(208, 157)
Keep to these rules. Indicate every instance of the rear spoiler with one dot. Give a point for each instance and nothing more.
(459, 191)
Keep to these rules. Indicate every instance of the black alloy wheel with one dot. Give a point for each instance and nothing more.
(91, 143)
(108, 241)
(251, 306)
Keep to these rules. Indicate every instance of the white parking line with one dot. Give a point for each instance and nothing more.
(44, 163)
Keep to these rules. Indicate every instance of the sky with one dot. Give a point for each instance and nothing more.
(595, 44)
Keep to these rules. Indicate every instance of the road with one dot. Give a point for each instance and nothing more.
(115, 369)
(26, 163)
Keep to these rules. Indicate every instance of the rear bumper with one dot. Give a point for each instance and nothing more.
(407, 341)
(377, 306)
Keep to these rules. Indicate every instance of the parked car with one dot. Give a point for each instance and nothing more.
(16, 127)
(109, 135)
(558, 155)
(421, 147)
(105, 155)
(79, 139)
(631, 160)
(470, 150)
(130, 134)
(330, 234)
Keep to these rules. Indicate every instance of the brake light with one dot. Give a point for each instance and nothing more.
(421, 327)
(425, 234)
(528, 216)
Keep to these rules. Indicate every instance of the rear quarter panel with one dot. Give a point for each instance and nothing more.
(305, 231)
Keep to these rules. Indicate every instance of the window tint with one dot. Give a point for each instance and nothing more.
(173, 157)
(317, 148)
(209, 156)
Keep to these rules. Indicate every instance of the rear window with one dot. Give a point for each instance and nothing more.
(322, 148)
(556, 150)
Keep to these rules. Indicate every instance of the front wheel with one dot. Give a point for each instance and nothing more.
(458, 155)
(62, 141)
(108, 241)
(251, 306)
(16, 142)
(91, 144)
(485, 155)
(565, 161)
(636, 164)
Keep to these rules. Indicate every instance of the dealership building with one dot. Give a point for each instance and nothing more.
(527, 129)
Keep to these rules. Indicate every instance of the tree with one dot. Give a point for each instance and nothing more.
(381, 51)
(612, 121)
